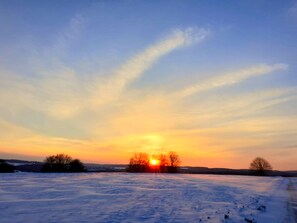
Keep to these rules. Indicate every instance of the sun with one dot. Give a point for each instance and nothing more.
(154, 162)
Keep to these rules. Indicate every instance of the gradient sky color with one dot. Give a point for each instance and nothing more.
(214, 81)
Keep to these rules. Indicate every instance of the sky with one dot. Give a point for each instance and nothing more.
(214, 81)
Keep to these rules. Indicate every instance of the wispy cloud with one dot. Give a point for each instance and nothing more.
(293, 9)
(65, 38)
(225, 109)
(137, 65)
(231, 78)
(61, 93)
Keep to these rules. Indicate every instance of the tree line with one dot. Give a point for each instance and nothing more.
(142, 162)
(139, 162)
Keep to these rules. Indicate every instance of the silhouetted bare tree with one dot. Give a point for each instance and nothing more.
(139, 163)
(163, 163)
(260, 166)
(174, 162)
(62, 163)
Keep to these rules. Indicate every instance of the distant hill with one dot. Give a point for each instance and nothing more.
(34, 166)
(226, 171)
(25, 166)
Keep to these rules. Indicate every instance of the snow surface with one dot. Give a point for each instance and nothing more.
(124, 197)
(292, 207)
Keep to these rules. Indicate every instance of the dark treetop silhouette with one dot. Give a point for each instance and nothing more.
(5, 167)
(62, 163)
(260, 166)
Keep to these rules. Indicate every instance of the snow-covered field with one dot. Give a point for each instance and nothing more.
(123, 197)
(292, 189)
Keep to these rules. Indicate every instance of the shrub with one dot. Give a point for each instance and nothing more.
(5, 167)
(62, 163)
(76, 166)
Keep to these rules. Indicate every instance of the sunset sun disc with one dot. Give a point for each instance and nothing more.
(154, 162)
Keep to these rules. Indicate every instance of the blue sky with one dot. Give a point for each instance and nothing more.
(212, 80)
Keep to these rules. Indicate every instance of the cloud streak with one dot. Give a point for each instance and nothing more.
(61, 93)
(231, 78)
(137, 65)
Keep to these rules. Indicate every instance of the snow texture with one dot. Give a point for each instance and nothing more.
(127, 197)
(292, 201)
